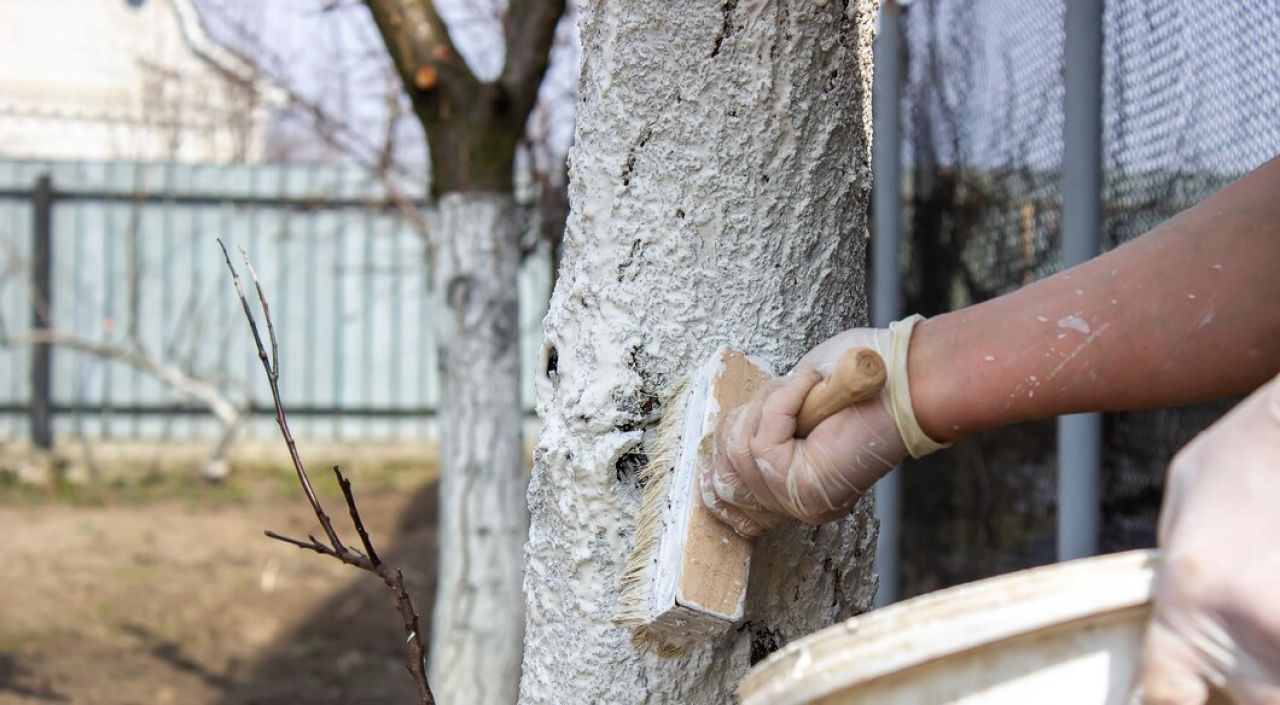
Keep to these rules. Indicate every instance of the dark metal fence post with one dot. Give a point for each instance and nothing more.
(886, 296)
(1080, 435)
(41, 311)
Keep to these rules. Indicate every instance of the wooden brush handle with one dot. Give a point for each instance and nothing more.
(859, 374)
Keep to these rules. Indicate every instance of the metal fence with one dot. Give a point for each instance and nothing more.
(132, 260)
(1175, 99)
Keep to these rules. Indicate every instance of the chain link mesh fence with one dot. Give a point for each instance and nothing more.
(1191, 102)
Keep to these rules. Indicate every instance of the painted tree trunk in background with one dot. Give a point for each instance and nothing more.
(475, 658)
(472, 127)
(719, 190)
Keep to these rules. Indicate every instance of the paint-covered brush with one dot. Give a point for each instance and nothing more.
(685, 582)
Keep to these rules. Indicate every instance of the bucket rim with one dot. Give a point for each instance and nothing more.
(947, 623)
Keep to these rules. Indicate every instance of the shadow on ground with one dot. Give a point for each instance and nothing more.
(350, 649)
(16, 680)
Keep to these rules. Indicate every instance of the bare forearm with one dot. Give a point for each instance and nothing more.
(1187, 312)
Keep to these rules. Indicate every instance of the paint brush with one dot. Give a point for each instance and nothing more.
(685, 582)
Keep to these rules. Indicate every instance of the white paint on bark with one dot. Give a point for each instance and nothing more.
(719, 193)
(478, 623)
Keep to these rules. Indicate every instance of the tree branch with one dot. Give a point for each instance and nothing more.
(423, 52)
(271, 365)
(180, 381)
(207, 393)
(347, 494)
(530, 29)
(416, 651)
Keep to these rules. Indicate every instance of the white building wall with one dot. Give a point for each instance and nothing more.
(122, 80)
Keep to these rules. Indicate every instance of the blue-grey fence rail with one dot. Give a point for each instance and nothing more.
(133, 256)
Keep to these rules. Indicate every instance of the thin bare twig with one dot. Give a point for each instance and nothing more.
(186, 383)
(415, 660)
(345, 484)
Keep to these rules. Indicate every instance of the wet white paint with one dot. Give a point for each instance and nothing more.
(724, 203)
(1074, 322)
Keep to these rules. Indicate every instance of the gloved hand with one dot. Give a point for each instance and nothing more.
(1216, 617)
(762, 474)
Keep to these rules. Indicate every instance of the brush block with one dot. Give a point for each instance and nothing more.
(710, 569)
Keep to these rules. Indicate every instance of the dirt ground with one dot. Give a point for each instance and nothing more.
(157, 590)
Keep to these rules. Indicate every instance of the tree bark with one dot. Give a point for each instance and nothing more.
(477, 625)
(719, 188)
(472, 127)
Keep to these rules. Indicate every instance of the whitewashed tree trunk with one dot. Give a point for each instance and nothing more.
(719, 192)
(478, 622)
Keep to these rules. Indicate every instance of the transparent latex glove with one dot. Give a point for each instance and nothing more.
(1216, 617)
(762, 475)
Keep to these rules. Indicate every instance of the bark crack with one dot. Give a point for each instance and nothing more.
(726, 29)
(629, 166)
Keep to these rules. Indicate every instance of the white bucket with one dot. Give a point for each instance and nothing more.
(1063, 634)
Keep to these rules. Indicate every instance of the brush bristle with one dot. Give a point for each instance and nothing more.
(645, 639)
(685, 579)
(637, 577)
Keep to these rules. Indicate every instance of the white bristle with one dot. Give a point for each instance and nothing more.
(637, 578)
(685, 580)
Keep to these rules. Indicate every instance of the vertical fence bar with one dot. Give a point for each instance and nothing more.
(79, 388)
(196, 269)
(395, 281)
(886, 296)
(135, 224)
(1080, 435)
(368, 395)
(42, 312)
(339, 341)
(110, 319)
(311, 241)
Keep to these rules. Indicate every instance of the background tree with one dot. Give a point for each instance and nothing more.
(719, 187)
(473, 127)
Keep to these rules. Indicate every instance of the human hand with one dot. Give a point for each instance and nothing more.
(762, 474)
(1215, 624)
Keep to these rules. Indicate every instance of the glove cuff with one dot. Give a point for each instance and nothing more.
(917, 442)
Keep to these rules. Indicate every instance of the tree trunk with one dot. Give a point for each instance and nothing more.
(719, 189)
(479, 612)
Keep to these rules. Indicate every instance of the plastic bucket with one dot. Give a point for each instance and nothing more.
(1066, 633)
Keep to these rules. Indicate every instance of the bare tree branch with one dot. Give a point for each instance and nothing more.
(430, 67)
(333, 130)
(415, 649)
(530, 30)
(180, 381)
(337, 133)
(347, 494)
(208, 394)
(169, 367)
(270, 364)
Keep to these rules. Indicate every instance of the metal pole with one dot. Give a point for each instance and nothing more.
(41, 408)
(1080, 435)
(886, 297)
